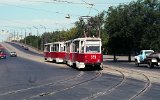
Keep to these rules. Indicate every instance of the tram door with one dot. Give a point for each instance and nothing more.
(76, 49)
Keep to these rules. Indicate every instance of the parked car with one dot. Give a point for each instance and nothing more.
(142, 57)
(148, 57)
(154, 59)
(13, 54)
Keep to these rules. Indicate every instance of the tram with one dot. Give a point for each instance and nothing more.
(54, 52)
(86, 52)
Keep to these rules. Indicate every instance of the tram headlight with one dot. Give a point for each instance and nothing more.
(98, 61)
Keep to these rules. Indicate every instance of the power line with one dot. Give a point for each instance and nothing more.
(69, 2)
(62, 2)
(38, 9)
(87, 3)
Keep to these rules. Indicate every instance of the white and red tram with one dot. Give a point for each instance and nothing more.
(80, 52)
(87, 51)
(54, 51)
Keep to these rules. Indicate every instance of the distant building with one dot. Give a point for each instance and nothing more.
(15, 38)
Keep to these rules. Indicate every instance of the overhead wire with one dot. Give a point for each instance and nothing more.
(87, 3)
(53, 1)
(62, 2)
(44, 10)
(69, 2)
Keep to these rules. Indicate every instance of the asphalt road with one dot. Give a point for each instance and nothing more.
(27, 79)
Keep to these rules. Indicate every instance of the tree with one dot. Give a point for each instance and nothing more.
(133, 27)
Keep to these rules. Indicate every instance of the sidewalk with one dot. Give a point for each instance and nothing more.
(119, 58)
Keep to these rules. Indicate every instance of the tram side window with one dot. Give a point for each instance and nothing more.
(76, 46)
(82, 49)
(54, 47)
(62, 48)
(51, 48)
(82, 46)
(57, 47)
(67, 47)
(46, 48)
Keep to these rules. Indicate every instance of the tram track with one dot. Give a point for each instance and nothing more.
(51, 93)
(42, 85)
(145, 79)
(110, 89)
(146, 87)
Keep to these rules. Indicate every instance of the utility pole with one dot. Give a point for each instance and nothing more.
(37, 37)
(14, 35)
(44, 28)
(25, 37)
(42, 46)
(30, 33)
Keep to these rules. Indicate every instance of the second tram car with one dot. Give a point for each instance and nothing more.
(54, 51)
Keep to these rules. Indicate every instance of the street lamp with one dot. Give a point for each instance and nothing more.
(44, 28)
(37, 37)
(25, 36)
(29, 34)
(68, 16)
(30, 30)
(42, 46)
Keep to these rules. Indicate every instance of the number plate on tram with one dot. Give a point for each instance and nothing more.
(93, 56)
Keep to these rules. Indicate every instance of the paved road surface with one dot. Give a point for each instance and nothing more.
(34, 79)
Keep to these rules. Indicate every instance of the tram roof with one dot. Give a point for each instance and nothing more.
(57, 42)
(53, 43)
(68, 41)
(48, 44)
(88, 38)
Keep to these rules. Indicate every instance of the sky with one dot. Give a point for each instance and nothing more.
(18, 16)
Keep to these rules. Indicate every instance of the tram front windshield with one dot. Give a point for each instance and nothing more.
(92, 46)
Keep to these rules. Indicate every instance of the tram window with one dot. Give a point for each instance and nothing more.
(73, 48)
(46, 49)
(82, 50)
(77, 50)
(64, 49)
(76, 46)
(51, 48)
(67, 49)
(92, 49)
(82, 47)
(54, 47)
(61, 47)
